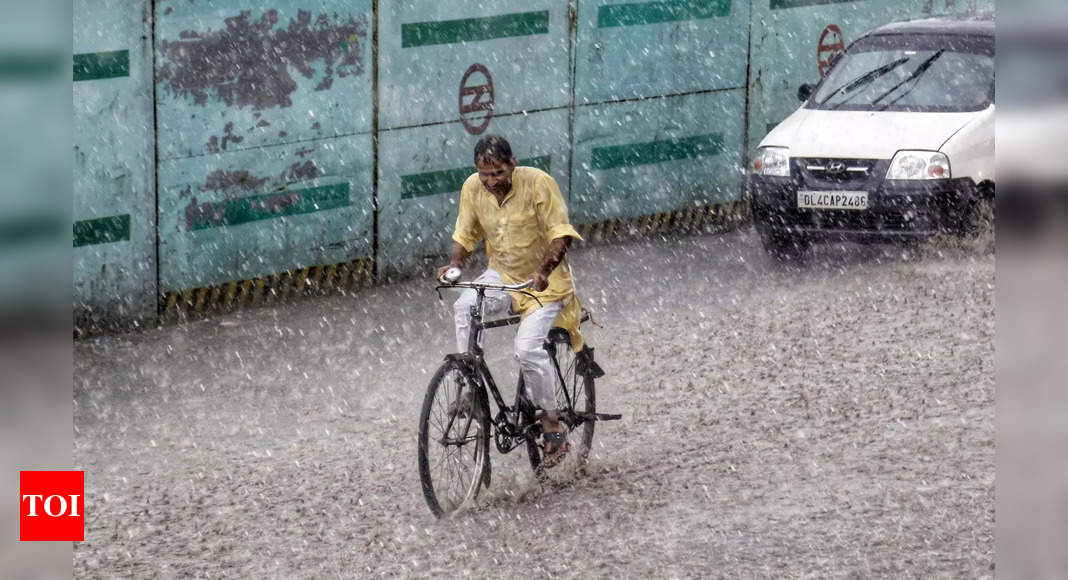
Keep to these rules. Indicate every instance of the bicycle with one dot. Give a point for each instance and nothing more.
(455, 424)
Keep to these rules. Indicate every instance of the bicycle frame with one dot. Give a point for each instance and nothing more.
(509, 431)
(457, 412)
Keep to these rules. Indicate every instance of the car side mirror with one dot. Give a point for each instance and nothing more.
(805, 91)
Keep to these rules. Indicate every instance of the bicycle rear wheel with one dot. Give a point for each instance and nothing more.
(575, 404)
(453, 439)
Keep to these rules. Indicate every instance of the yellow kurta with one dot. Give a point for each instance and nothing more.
(517, 233)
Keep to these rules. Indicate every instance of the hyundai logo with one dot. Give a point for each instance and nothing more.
(836, 167)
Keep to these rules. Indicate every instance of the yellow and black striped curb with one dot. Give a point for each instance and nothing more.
(268, 289)
(688, 220)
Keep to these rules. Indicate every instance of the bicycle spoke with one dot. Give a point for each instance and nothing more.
(453, 441)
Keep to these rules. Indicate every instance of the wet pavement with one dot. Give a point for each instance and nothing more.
(828, 418)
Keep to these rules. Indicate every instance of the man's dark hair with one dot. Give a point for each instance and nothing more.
(493, 148)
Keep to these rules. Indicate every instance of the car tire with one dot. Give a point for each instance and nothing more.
(973, 218)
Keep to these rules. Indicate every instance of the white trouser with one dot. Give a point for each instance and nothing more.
(534, 362)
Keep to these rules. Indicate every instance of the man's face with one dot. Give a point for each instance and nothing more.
(496, 176)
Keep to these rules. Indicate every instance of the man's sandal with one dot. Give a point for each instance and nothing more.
(555, 447)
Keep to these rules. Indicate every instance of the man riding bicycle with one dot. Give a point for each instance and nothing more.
(520, 214)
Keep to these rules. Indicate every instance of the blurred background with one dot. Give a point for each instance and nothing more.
(1032, 284)
(35, 266)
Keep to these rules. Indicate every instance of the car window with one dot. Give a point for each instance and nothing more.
(911, 73)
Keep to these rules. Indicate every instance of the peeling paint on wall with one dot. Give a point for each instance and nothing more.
(213, 144)
(237, 183)
(199, 216)
(225, 181)
(248, 62)
(300, 171)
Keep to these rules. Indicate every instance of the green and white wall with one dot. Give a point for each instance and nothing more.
(114, 160)
(239, 151)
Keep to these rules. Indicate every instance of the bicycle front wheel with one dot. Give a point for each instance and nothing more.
(453, 439)
(575, 404)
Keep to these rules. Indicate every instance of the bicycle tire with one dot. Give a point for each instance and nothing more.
(453, 454)
(576, 402)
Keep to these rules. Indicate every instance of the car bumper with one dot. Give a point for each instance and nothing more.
(896, 209)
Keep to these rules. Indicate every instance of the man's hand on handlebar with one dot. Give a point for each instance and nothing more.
(458, 257)
(448, 274)
(541, 281)
(557, 249)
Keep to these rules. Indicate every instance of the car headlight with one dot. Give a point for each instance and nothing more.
(919, 165)
(773, 161)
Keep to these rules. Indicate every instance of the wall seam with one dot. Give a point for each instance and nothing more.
(748, 93)
(572, 27)
(374, 140)
(155, 153)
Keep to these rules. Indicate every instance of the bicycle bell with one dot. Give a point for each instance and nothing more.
(451, 276)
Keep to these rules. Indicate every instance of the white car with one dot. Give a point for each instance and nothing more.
(897, 140)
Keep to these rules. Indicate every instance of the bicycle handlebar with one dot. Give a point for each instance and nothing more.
(476, 285)
(520, 287)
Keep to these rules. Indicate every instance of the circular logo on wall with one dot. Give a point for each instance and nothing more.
(476, 99)
(831, 44)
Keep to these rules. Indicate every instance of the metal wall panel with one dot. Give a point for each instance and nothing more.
(643, 49)
(263, 211)
(510, 56)
(657, 155)
(235, 75)
(422, 169)
(114, 198)
(265, 137)
(792, 37)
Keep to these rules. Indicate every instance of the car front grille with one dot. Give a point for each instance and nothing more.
(817, 171)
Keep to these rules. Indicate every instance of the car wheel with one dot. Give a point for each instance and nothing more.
(973, 219)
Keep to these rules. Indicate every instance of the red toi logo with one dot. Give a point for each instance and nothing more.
(51, 506)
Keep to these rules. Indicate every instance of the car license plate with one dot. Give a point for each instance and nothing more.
(832, 199)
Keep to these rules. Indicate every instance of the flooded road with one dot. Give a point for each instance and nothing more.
(828, 418)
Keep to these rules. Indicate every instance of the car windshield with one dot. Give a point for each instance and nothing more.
(927, 73)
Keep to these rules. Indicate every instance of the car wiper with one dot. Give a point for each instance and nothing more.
(916, 74)
(862, 80)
